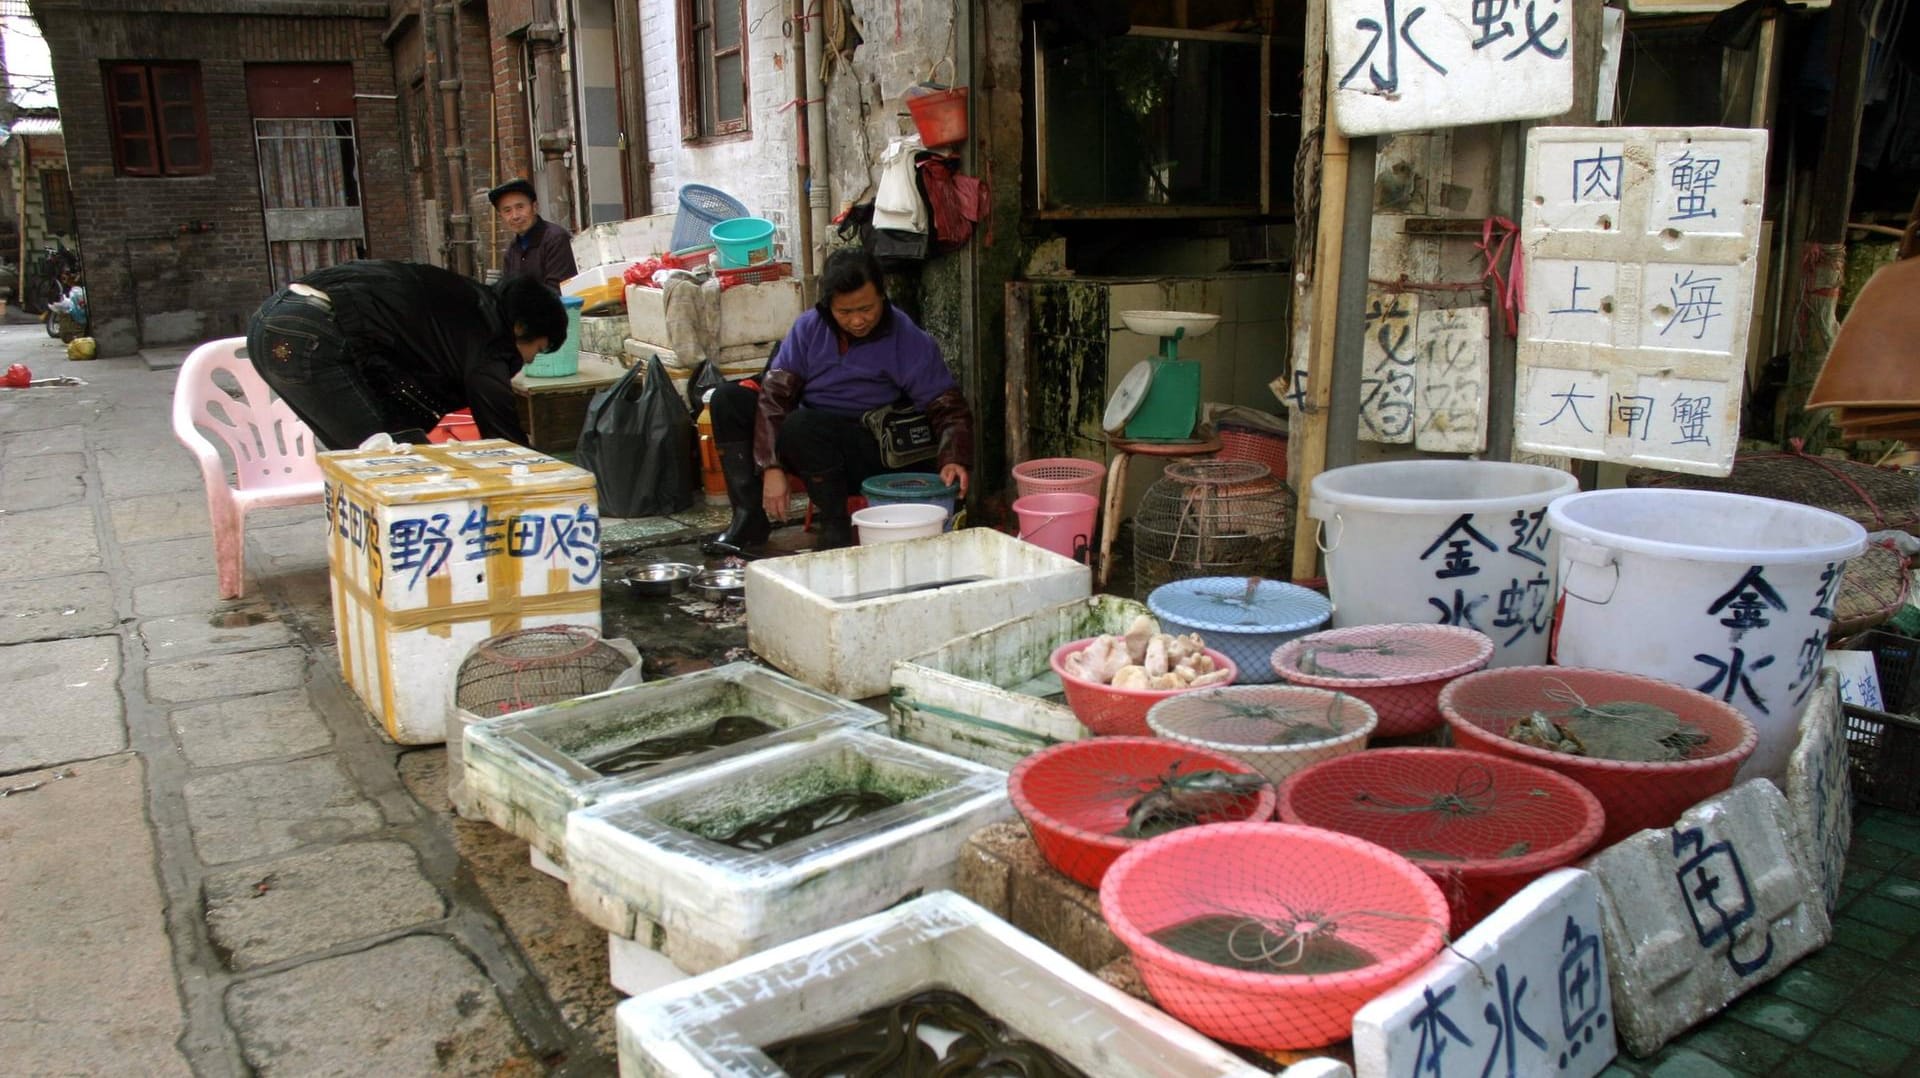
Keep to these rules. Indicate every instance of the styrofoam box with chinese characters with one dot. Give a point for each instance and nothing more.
(650, 853)
(526, 771)
(433, 548)
(718, 1023)
(820, 618)
(992, 696)
(749, 313)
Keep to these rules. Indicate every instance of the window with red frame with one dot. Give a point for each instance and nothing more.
(158, 119)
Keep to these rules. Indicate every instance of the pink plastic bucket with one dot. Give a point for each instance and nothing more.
(1060, 522)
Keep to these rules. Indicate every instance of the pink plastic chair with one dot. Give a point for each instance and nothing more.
(273, 451)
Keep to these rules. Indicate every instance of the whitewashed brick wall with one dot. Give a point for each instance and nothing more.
(757, 170)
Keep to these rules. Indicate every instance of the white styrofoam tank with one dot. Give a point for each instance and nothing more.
(749, 313)
(526, 771)
(809, 617)
(649, 853)
(991, 696)
(717, 1023)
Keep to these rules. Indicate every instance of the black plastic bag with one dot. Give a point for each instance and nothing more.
(638, 441)
(706, 378)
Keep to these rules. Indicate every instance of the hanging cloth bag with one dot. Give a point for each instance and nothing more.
(638, 441)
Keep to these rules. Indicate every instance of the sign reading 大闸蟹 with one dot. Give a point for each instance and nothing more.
(1641, 244)
(1411, 65)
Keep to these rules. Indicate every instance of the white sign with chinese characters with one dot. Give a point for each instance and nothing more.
(1450, 410)
(1411, 65)
(1387, 359)
(1523, 992)
(1641, 245)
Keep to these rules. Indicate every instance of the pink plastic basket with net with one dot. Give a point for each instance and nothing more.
(1059, 475)
(1106, 710)
(1480, 826)
(1399, 669)
(1292, 887)
(1481, 708)
(1075, 796)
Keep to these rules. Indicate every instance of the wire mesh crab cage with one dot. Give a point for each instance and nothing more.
(1210, 518)
(532, 667)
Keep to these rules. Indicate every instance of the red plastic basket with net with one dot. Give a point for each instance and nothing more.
(1398, 669)
(1483, 709)
(1106, 710)
(1480, 826)
(1088, 802)
(1271, 935)
(763, 273)
(1248, 443)
(1059, 475)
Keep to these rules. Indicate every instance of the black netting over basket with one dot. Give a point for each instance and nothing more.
(1874, 498)
(532, 667)
(1210, 518)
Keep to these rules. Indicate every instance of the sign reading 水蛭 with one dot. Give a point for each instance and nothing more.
(1410, 65)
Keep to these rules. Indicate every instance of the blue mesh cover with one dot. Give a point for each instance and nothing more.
(1246, 628)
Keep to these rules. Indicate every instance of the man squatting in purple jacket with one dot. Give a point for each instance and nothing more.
(853, 352)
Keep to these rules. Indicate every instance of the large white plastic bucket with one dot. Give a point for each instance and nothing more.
(904, 520)
(1725, 593)
(1457, 542)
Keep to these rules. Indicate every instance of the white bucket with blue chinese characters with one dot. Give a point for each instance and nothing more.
(1725, 593)
(1456, 542)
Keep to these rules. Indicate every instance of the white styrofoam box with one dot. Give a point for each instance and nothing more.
(433, 548)
(1695, 915)
(623, 242)
(991, 696)
(635, 968)
(1818, 789)
(593, 277)
(527, 770)
(717, 1023)
(648, 853)
(749, 313)
(1523, 992)
(736, 361)
(807, 622)
(603, 334)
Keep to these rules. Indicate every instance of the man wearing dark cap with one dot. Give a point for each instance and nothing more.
(539, 248)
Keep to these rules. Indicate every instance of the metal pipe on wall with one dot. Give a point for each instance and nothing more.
(802, 148)
(820, 193)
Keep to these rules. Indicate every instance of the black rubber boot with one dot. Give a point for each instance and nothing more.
(832, 527)
(750, 526)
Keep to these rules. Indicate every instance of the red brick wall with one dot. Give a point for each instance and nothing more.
(148, 282)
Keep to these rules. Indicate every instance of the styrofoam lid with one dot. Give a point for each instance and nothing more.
(1239, 604)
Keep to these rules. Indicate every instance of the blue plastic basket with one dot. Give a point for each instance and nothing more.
(1245, 628)
(702, 207)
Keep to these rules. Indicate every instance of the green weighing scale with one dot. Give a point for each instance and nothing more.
(1159, 399)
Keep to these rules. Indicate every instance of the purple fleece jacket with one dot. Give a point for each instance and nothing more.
(896, 358)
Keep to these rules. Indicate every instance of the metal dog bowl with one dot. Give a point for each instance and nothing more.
(717, 584)
(661, 578)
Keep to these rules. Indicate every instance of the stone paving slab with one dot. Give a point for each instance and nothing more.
(89, 981)
(168, 559)
(56, 607)
(181, 595)
(127, 473)
(413, 1006)
(222, 675)
(48, 542)
(64, 702)
(34, 442)
(160, 516)
(248, 628)
(42, 482)
(245, 729)
(272, 808)
(266, 913)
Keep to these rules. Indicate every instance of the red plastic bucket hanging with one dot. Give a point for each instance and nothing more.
(939, 112)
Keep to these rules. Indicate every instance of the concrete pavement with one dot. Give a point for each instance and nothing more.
(214, 864)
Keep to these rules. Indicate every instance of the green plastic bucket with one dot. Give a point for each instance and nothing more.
(743, 241)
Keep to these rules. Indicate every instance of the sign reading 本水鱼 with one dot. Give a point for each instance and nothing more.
(1641, 245)
(1411, 65)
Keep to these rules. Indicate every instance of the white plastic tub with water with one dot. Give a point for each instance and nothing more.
(893, 523)
(1459, 542)
(1725, 593)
